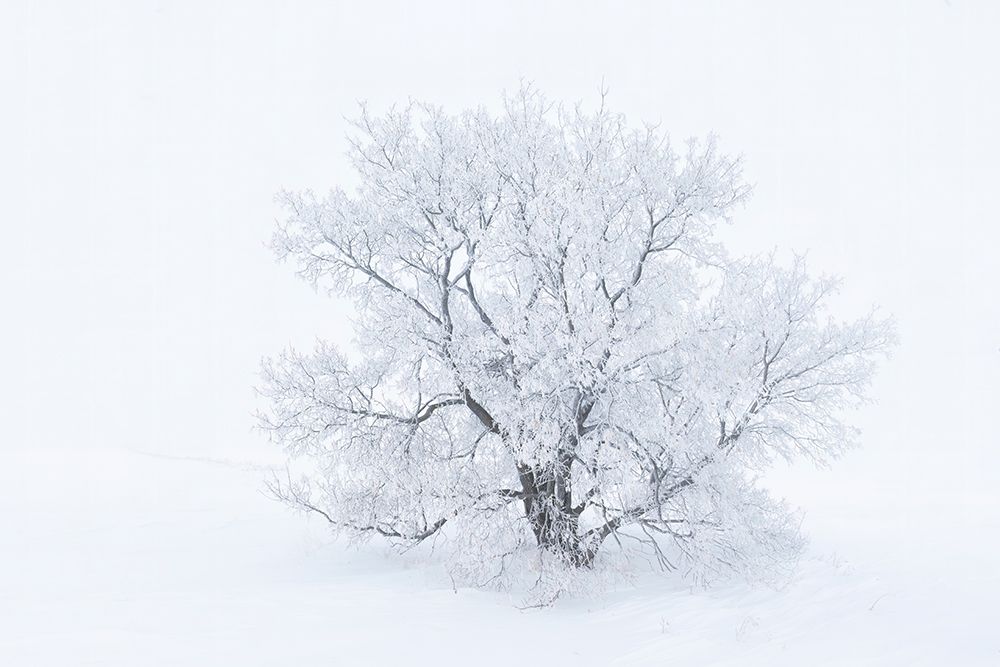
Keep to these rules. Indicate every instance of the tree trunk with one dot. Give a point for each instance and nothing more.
(549, 510)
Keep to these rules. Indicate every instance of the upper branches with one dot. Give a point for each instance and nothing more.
(530, 218)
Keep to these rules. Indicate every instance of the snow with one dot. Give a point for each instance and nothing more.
(142, 144)
(118, 557)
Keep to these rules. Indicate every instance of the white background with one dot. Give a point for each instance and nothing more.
(141, 144)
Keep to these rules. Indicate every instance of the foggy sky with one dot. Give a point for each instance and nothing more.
(141, 144)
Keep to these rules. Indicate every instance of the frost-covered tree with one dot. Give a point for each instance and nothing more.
(556, 354)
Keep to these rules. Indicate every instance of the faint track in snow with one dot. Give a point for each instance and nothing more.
(244, 466)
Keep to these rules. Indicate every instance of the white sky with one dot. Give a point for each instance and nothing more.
(141, 144)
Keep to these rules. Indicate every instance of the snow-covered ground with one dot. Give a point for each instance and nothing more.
(126, 558)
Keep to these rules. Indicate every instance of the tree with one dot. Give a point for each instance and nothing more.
(555, 349)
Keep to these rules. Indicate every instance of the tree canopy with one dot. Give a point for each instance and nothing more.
(557, 354)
